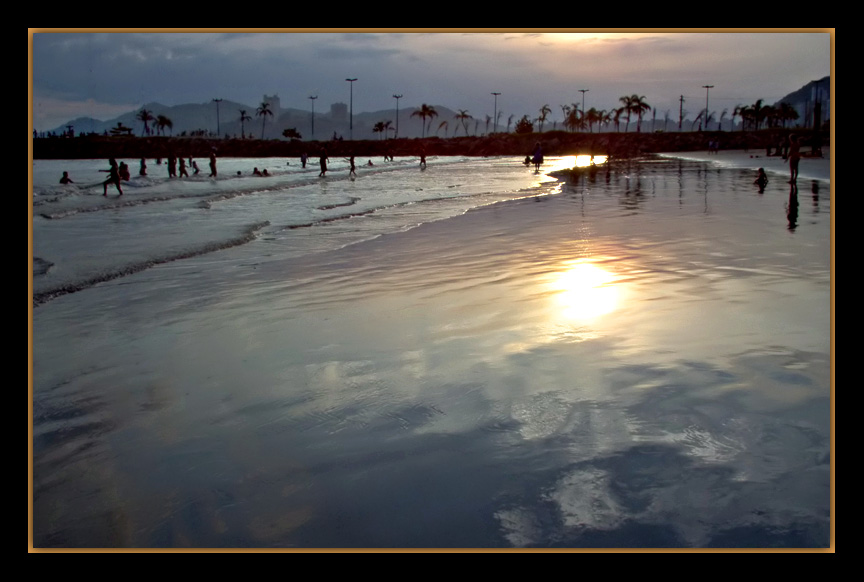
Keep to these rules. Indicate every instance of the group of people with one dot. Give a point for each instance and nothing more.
(793, 155)
(535, 157)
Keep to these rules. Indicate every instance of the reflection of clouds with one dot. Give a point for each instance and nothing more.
(584, 499)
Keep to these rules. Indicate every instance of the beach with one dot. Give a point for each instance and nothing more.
(634, 354)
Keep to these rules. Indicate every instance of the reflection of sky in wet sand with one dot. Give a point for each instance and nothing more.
(560, 371)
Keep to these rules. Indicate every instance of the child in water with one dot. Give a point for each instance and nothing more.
(761, 179)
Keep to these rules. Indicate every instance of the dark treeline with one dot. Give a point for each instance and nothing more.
(553, 143)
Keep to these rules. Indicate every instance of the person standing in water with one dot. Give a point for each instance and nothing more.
(323, 162)
(142, 169)
(794, 157)
(352, 171)
(113, 177)
(212, 164)
(66, 179)
(537, 159)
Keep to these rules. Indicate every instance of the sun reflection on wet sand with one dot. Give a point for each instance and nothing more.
(586, 291)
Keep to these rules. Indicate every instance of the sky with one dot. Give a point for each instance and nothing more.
(105, 74)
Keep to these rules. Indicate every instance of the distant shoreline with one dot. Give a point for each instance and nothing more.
(553, 143)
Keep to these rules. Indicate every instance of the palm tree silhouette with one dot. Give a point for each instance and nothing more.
(424, 112)
(463, 118)
(445, 125)
(145, 116)
(243, 119)
(544, 112)
(162, 122)
(639, 106)
(263, 111)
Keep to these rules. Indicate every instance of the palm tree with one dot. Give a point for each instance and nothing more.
(263, 111)
(145, 116)
(488, 119)
(243, 119)
(509, 121)
(616, 116)
(573, 119)
(627, 108)
(378, 127)
(424, 112)
(787, 113)
(639, 106)
(162, 122)
(544, 112)
(445, 125)
(565, 111)
(463, 117)
(722, 115)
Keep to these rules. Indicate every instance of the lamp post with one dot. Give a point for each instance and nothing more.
(583, 91)
(707, 88)
(218, 130)
(351, 111)
(313, 98)
(495, 114)
(397, 98)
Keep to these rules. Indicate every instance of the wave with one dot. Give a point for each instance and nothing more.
(52, 293)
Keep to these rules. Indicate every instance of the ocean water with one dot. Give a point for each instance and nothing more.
(473, 355)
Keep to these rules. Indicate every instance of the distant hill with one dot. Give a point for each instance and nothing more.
(805, 99)
(200, 119)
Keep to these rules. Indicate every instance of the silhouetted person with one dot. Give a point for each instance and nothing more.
(195, 167)
(303, 158)
(113, 177)
(322, 160)
(256, 171)
(353, 170)
(66, 179)
(537, 158)
(422, 160)
(172, 166)
(212, 164)
(142, 168)
(794, 157)
(761, 180)
(183, 171)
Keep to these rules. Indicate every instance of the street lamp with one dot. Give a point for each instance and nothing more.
(313, 98)
(218, 130)
(397, 98)
(351, 114)
(707, 88)
(495, 114)
(583, 91)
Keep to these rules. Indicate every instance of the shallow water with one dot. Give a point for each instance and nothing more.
(638, 357)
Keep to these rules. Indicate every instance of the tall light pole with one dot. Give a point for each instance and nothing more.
(707, 88)
(397, 98)
(313, 98)
(351, 110)
(218, 130)
(495, 114)
(583, 91)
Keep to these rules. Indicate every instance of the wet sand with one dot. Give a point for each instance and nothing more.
(641, 360)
